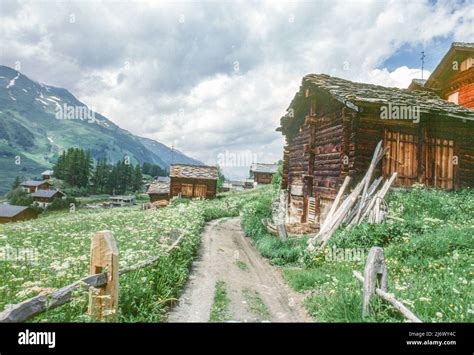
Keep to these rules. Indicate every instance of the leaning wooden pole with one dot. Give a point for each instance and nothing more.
(392, 300)
(370, 172)
(336, 202)
(375, 282)
(103, 302)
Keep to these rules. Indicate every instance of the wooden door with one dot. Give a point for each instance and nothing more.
(187, 190)
(402, 157)
(200, 190)
(439, 163)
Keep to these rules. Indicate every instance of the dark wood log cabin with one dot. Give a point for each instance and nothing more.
(263, 173)
(11, 213)
(333, 125)
(193, 180)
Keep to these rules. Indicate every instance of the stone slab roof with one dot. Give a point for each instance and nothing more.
(194, 171)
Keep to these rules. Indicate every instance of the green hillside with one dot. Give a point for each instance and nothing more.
(31, 128)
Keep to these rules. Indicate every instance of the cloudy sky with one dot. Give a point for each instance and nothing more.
(213, 78)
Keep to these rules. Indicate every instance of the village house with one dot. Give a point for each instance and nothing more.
(47, 174)
(453, 78)
(193, 180)
(159, 193)
(332, 127)
(11, 213)
(233, 185)
(31, 186)
(43, 198)
(263, 173)
(121, 201)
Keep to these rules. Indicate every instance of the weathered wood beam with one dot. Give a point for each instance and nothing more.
(392, 300)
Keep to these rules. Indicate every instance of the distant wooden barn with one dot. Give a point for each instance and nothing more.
(263, 173)
(193, 180)
(159, 191)
(333, 125)
(11, 213)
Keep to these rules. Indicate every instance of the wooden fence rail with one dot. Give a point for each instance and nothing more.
(375, 282)
(103, 302)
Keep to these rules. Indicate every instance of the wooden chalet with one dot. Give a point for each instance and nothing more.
(453, 78)
(263, 173)
(11, 213)
(193, 180)
(121, 201)
(43, 198)
(31, 186)
(233, 185)
(333, 126)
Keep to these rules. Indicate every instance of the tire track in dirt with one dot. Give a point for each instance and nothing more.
(223, 245)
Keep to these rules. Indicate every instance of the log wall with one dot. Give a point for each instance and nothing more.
(332, 141)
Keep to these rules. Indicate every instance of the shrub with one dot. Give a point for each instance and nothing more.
(60, 204)
(19, 197)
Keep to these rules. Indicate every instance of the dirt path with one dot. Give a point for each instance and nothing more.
(255, 289)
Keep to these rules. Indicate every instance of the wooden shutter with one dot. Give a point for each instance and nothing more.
(402, 157)
(187, 190)
(439, 163)
(200, 190)
(311, 209)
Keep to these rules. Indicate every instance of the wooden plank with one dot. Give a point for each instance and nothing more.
(337, 200)
(103, 303)
(29, 308)
(375, 276)
(25, 310)
(369, 175)
(392, 300)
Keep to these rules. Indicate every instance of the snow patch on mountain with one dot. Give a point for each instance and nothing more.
(12, 82)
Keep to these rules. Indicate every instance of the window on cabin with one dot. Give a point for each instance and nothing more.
(454, 97)
(467, 63)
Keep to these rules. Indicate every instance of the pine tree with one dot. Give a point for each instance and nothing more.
(16, 182)
(137, 179)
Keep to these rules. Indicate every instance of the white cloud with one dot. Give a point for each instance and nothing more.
(175, 82)
(400, 77)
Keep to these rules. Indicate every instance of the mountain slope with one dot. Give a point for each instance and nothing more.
(38, 121)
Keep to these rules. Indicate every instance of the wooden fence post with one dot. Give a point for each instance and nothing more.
(104, 258)
(375, 276)
(282, 213)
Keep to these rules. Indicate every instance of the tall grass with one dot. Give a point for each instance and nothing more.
(279, 252)
(62, 241)
(429, 257)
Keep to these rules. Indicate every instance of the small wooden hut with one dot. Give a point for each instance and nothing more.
(159, 191)
(47, 174)
(263, 173)
(193, 180)
(333, 125)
